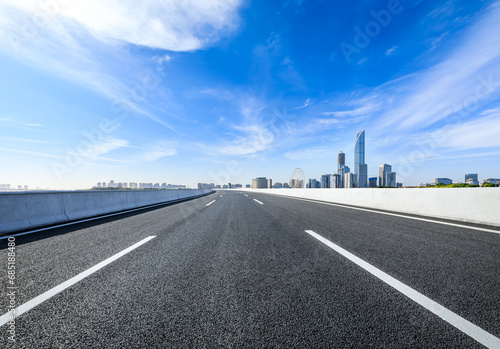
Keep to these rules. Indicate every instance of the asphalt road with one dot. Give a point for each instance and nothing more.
(242, 272)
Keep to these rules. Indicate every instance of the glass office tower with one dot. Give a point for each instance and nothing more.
(360, 168)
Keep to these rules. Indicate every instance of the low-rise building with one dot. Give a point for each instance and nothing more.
(445, 181)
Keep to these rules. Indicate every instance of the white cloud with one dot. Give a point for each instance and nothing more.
(483, 132)
(469, 77)
(306, 104)
(169, 24)
(11, 120)
(256, 138)
(83, 42)
(391, 50)
(159, 149)
(107, 145)
(355, 112)
(253, 134)
(311, 153)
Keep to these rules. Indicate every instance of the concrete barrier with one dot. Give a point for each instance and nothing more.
(28, 210)
(475, 205)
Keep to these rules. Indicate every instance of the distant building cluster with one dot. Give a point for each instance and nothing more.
(218, 186)
(134, 185)
(12, 187)
(495, 181)
(344, 178)
(358, 178)
(470, 179)
(266, 183)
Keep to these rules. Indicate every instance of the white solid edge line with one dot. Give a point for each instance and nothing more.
(394, 214)
(467, 327)
(210, 203)
(259, 201)
(23, 308)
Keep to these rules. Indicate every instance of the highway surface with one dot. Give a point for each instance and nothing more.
(243, 269)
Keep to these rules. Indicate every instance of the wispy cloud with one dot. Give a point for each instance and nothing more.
(482, 132)
(255, 139)
(310, 153)
(391, 50)
(159, 149)
(469, 77)
(171, 25)
(354, 112)
(31, 152)
(306, 104)
(105, 146)
(253, 135)
(86, 42)
(11, 120)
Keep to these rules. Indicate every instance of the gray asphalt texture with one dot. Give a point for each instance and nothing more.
(238, 274)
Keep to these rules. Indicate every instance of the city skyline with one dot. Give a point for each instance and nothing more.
(225, 91)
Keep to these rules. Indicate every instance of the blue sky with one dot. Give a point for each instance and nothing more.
(227, 90)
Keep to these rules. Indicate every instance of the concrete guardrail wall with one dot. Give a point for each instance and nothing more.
(476, 205)
(27, 210)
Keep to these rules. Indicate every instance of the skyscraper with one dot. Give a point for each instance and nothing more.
(349, 180)
(341, 161)
(313, 183)
(325, 181)
(382, 171)
(390, 180)
(360, 168)
(335, 181)
(343, 171)
(259, 183)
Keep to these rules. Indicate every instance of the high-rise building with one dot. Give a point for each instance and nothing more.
(202, 186)
(382, 171)
(269, 183)
(349, 180)
(362, 176)
(360, 168)
(313, 183)
(259, 183)
(390, 179)
(335, 181)
(341, 161)
(343, 171)
(325, 181)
